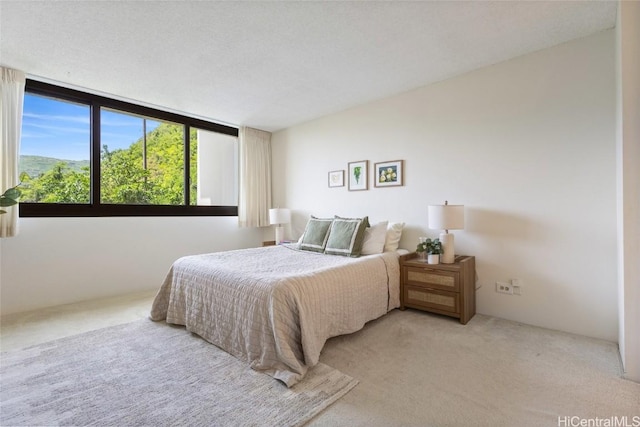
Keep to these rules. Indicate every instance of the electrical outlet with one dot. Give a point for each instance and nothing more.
(516, 284)
(504, 288)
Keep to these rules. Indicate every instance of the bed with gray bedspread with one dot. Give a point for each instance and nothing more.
(275, 307)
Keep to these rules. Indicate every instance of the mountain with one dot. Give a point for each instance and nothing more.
(34, 166)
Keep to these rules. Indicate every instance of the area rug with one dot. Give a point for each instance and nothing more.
(152, 374)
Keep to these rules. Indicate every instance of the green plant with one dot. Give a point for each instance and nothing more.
(433, 247)
(9, 198)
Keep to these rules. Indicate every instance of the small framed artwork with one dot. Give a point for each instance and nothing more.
(358, 172)
(389, 174)
(336, 179)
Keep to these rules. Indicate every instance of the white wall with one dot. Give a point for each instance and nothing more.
(628, 190)
(528, 146)
(61, 260)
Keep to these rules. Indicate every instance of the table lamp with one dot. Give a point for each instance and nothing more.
(278, 217)
(446, 217)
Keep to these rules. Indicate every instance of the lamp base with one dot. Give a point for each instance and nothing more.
(279, 234)
(448, 255)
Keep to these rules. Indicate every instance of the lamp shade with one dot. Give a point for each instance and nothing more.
(279, 216)
(446, 217)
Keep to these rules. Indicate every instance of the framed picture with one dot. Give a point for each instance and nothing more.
(336, 178)
(389, 174)
(358, 175)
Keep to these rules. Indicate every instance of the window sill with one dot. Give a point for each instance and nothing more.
(35, 210)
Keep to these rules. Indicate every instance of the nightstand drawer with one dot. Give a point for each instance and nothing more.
(432, 279)
(430, 298)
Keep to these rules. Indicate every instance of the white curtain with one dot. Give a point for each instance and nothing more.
(11, 100)
(255, 178)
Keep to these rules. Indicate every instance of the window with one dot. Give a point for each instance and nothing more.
(87, 155)
(55, 149)
(217, 185)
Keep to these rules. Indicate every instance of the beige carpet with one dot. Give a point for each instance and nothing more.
(148, 373)
(420, 369)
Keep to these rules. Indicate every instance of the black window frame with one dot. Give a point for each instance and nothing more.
(96, 209)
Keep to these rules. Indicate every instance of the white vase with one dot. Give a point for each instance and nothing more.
(433, 259)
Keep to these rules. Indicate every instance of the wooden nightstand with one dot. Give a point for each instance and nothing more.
(273, 242)
(447, 289)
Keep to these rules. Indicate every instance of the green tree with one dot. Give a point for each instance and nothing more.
(124, 178)
(60, 184)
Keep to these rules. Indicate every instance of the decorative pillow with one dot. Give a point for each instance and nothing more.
(315, 234)
(346, 236)
(394, 233)
(374, 238)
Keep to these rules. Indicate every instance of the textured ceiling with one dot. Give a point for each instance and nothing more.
(271, 65)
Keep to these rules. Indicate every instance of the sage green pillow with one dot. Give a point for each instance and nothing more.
(346, 236)
(316, 234)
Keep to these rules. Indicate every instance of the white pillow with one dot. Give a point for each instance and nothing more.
(394, 233)
(374, 238)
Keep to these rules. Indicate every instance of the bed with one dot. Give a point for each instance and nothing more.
(275, 307)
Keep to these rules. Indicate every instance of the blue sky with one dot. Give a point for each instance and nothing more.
(53, 128)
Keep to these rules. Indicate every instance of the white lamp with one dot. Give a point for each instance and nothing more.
(278, 217)
(446, 217)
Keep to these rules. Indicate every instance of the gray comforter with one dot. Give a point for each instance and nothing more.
(275, 307)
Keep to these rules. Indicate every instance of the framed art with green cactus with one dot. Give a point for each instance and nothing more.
(358, 174)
